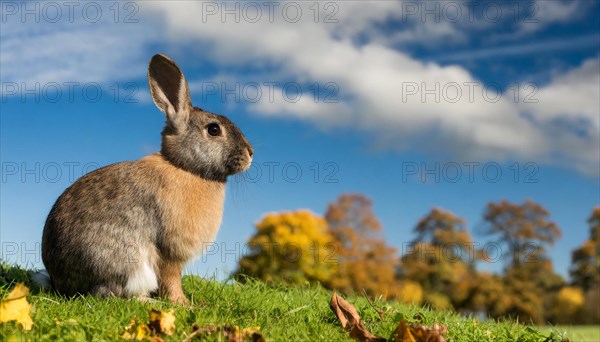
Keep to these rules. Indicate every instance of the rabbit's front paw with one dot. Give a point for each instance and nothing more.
(179, 299)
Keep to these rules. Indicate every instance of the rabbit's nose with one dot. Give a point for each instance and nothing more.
(250, 151)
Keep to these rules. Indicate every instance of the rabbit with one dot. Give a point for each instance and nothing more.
(128, 229)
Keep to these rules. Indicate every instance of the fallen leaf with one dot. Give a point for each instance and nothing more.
(433, 334)
(402, 333)
(142, 331)
(163, 322)
(256, 337)
(135, 331)
(196, 330)
(232, 333)
(248, 333)
(15, 307)
(420, 333)
(156, 339)
(405, 332)
(440, 328)
(360, 333)
(128, 334)
(344, 311)
(350, 319)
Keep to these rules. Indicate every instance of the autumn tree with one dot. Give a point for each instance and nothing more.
(490, 295)
(365, 261)
(525, 232)
(523, 229)
(441, 260)
(590, 312)
(532, 289)
(292, 247)
(585, 269)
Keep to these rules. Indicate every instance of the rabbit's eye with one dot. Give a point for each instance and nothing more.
(214, 129)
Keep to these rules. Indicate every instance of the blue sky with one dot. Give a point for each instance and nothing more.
(506, 93)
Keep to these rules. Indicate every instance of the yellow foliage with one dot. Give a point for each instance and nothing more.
(571, 297)
(438, 301)
(410, 292)
(293, 247)
(568, 302)
(366, 264)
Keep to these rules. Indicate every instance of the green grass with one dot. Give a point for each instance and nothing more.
(283, 314)
(575, 333)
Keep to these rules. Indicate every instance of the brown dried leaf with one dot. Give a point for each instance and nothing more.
(256, 337)
(360, 333)
(350, 319)
(232, 333)
(196, 330)
(418, 333)
(440, 328)
(344, 311)
(426, 334)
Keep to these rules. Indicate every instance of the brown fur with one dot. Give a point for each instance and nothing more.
(129, 228)
(169, 279)
(192, 208)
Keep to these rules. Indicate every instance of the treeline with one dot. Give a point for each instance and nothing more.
(344, 250)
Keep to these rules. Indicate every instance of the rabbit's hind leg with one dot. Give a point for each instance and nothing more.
(107, 290)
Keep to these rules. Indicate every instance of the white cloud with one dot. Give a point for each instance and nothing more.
(73, 49)
(381, 90)
(568, 112)
(376, 77)
(572, 96)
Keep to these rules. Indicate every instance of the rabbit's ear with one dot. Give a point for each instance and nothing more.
(169, 90)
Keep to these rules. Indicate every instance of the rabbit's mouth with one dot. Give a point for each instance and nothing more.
(238, 163)
(245, 161)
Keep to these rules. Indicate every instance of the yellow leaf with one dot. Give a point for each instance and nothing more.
(129, 333)
(142, 332)
(135, 331)
(15, 307)
(163, 322)
(248, 332)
